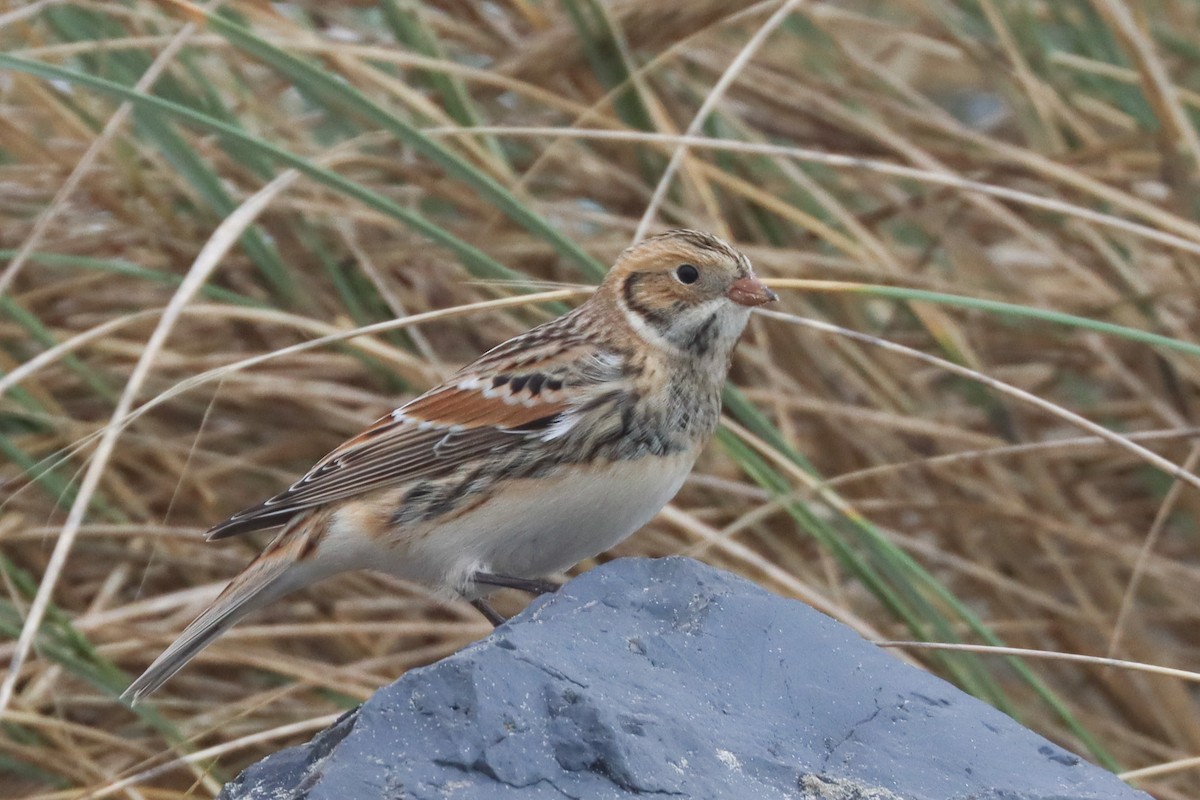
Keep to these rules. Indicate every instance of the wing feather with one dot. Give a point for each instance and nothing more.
(483, 409)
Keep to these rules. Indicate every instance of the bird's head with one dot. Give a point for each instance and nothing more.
(686, 291)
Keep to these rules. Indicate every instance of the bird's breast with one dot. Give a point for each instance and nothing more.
(539, 526)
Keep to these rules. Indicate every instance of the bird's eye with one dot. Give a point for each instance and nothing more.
(687, 273)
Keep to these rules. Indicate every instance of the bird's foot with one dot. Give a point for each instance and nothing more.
(531, 585)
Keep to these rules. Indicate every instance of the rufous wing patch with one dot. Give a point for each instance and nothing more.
(497, 407)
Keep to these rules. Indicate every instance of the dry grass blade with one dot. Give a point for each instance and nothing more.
(1025, 652)
(1162, 92)
(1168, 768)
(962, 456)
(1139, 568)
(730, 75)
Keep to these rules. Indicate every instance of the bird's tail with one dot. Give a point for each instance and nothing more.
(278, 570)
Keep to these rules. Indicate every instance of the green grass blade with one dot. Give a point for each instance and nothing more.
(603, 53)
(1023, 312)
(131, 270)
(408, 25)
(38, 333)
(49, 481)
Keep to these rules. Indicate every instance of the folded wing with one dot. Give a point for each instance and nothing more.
(482, 409)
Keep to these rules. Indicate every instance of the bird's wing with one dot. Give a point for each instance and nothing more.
(511, 394)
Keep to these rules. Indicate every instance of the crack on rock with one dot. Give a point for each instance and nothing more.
(832, 747)
(481, 767)
(553, 673)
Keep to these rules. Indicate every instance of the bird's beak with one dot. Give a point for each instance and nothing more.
(750, 291)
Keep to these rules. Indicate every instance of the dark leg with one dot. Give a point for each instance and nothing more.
(531, 585)
(493, 616)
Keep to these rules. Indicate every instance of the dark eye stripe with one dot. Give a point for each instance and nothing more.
(658, 318)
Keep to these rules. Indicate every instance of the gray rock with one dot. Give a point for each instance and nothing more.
(667, 677)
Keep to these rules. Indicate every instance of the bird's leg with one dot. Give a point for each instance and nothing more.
(493, 616)
(531, 585)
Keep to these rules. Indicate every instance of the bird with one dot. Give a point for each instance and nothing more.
(550, 448)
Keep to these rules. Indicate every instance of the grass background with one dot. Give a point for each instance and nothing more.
(193, 196)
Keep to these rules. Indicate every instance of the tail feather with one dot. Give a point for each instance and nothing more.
(272, 575)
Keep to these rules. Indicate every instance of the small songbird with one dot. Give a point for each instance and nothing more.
(550, 448)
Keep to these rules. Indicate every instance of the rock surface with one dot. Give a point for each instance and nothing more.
(667, 677)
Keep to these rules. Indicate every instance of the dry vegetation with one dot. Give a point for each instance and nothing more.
(1052, 163)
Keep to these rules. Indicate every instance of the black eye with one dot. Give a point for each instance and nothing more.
(687, 273)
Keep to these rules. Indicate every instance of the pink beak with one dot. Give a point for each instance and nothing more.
(750, 291)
